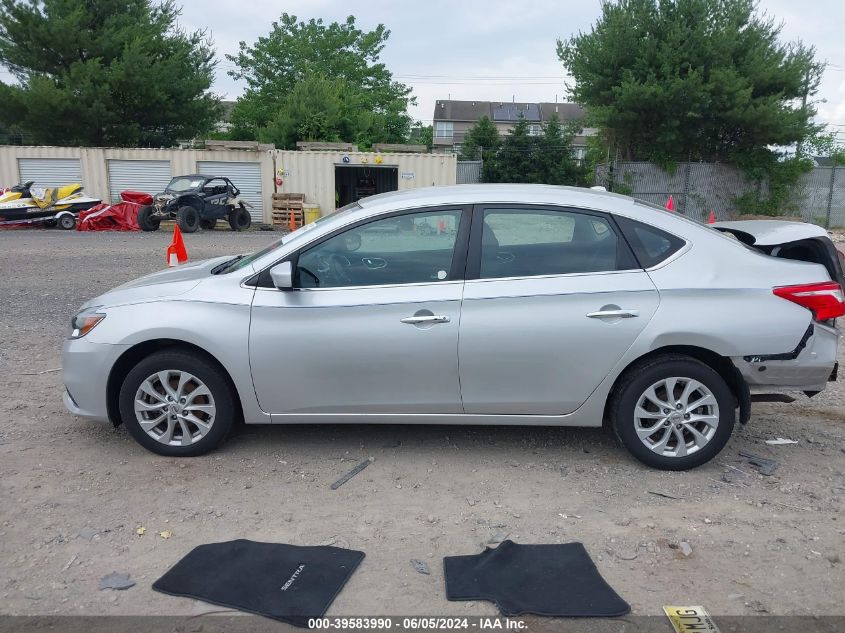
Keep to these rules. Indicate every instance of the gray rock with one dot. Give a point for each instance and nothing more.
(685, 548)
(420, 566)
(116, 581)
(498, 537)
(88, 533)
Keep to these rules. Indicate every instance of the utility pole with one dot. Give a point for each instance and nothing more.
(799, 149)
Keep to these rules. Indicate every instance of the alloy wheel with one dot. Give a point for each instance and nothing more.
(174, 407)
(676, 416)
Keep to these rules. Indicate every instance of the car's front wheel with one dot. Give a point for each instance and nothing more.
(673, 412)
(239, 218)
(147, 220)
(177, 403)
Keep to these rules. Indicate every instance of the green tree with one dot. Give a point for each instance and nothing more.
(374, 106)
(665, 80)
(481, 141)
(422, 135)
(104, 72)
(513, 161)
(554, 162)
(314, 110)
(545, 158)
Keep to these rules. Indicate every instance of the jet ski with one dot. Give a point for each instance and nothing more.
(25, 204)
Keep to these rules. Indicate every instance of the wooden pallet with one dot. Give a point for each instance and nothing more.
(285, 205)
(281, 218)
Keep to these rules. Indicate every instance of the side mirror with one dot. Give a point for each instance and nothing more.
(282, 275)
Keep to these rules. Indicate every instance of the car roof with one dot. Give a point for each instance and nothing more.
(497, 193)
(451, 195)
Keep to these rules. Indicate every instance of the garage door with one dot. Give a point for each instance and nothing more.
(245, 176)
(50, 172)
(149, 176)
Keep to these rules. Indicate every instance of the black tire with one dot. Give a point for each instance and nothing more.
(239, 218)
(67, 222)
(188, 219)
(208, 225)
(201, 368)
(633, 385)
(146, 220)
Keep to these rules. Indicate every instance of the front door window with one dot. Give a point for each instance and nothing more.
(404, 249)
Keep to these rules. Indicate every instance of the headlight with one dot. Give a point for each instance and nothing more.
(85, 321)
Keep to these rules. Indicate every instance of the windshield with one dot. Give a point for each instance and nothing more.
(244, 261)
(184, 183)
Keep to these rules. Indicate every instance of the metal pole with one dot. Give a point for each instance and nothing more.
(830, 196)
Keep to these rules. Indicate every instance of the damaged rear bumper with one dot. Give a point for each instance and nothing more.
(809, 367)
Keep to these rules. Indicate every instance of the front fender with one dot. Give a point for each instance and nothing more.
(220, 329)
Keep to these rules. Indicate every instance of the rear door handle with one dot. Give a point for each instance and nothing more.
(428, 318)
(613, 314)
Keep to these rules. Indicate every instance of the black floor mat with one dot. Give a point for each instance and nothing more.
(556, 580)
(290, 583)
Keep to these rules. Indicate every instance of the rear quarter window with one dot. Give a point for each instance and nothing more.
(651, 245)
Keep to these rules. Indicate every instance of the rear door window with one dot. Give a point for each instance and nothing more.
(651, 245)
(524, 242)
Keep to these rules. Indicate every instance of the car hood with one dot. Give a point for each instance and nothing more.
(167, 283)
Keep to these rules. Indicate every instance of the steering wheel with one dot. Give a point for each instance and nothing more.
(340, 268)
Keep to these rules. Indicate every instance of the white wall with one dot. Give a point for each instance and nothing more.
(312, 173)
(308, 172)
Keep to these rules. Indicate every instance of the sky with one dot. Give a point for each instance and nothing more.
(496, 50)
(493, 50)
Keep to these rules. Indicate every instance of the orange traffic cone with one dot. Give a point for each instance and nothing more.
(711, 219)
(291, 221)
(670, 204)
(176, 252)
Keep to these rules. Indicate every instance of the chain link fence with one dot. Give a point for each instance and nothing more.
(469, 172)
(699, 188)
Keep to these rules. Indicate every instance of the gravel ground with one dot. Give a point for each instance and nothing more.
(73, 492)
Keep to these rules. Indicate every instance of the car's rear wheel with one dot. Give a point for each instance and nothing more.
(208, 225)
(239, 218)
(177, 403)
(146, 220)
(673, 412)
(188, 219)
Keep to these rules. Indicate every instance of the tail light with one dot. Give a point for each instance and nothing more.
(825, 299)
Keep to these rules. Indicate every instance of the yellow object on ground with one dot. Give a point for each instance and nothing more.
(689, 619)
(311, 212)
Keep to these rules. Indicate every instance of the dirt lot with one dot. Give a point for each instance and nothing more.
(72, 492)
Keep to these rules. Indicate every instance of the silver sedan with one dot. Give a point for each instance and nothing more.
(474, 304)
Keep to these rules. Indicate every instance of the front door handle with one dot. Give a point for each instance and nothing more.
(613, 314)
(426, 318)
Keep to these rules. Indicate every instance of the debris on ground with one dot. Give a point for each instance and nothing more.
(70, 562)
(780, 441)
(140, 530)
(663, 494)
(624, 554)
(765, 466)
(116, 581)
(420, 566)
(88, 533)
(352, 473)
(165, 534)
(499, 536)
